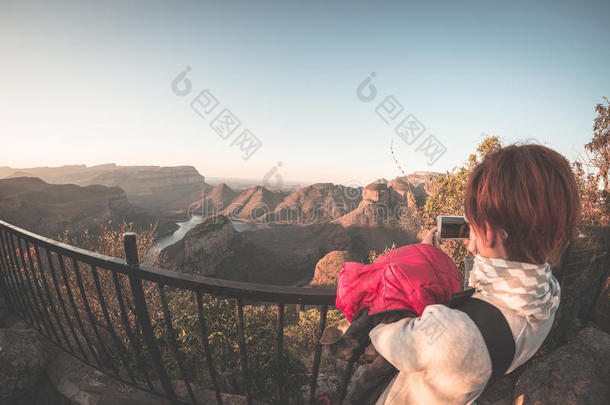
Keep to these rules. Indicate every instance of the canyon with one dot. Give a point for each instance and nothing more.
(286, 232)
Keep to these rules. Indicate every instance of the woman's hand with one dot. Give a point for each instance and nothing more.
(431, 238)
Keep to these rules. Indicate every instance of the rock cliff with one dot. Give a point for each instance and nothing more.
(328, 268)
(163, 191)
(218, 199)
(276, 254)
(319, 202)
(51, 209)
(253, 203)
(215, 249)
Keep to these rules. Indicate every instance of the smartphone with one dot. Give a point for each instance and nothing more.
(452, 227)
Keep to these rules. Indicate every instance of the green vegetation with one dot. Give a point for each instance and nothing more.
(300, 333)
(373, 255)
(445, 196)
(593, 169)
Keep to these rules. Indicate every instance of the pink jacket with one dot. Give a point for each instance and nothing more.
(411, 277)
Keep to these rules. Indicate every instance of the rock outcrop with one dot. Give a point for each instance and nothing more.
(35, 371)
(402, 191)
(76, 383)
(132, 179)
(163, 191)
(319, 202)
(218, 199)
(51, 209)
(276, 254)
(206, 247)
(328, 268)
(22, 362)
(377, 192)
(418, 181)
(576, 374)
(171, 192)
(215, 249)
(382, 203)
(583, 276)
(253, 203)
(602, 309)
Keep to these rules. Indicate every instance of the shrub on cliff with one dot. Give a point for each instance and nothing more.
(445, 195)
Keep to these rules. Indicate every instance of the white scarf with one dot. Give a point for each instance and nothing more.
(526, 288)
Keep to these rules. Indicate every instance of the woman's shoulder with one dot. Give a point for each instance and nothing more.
(437, 328)
(443, 341)
(528, 332)
(440, 321)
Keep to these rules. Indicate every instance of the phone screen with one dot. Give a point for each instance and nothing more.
(454, 228)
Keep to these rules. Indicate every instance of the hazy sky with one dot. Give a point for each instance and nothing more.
(91, 83)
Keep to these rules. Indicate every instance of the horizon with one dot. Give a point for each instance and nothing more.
(93, 83)
(237, 183)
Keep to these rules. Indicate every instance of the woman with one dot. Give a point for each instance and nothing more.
(522, 205)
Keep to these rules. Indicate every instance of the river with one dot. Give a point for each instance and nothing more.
(183, 227)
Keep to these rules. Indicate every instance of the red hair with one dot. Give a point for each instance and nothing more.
(530, 192)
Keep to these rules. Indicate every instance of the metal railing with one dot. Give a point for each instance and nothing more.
(95, 307)
(120, 316)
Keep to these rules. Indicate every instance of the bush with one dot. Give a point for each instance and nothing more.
(445, 196)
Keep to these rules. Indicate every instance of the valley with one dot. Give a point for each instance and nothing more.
(250, 234)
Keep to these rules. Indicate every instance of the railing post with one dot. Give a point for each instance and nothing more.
(130, 243)
(317, 355)
(280, 352)
(131, 256)
(5, 290)
(241, 341)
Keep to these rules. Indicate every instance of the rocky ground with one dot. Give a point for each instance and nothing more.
(36, 372)
(33, 371)
(573, 374)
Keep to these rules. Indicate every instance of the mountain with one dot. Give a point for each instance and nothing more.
(418, 181)
(319, 202)
(170, 192)
(382, 202)
(286, 185)
(219, 198)
(51, 209)
(275, 255)
(75, 174)
(19, 174)
(301, 228)
(6, 171)
(284, 254)
(253, 203)
(165, 192)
